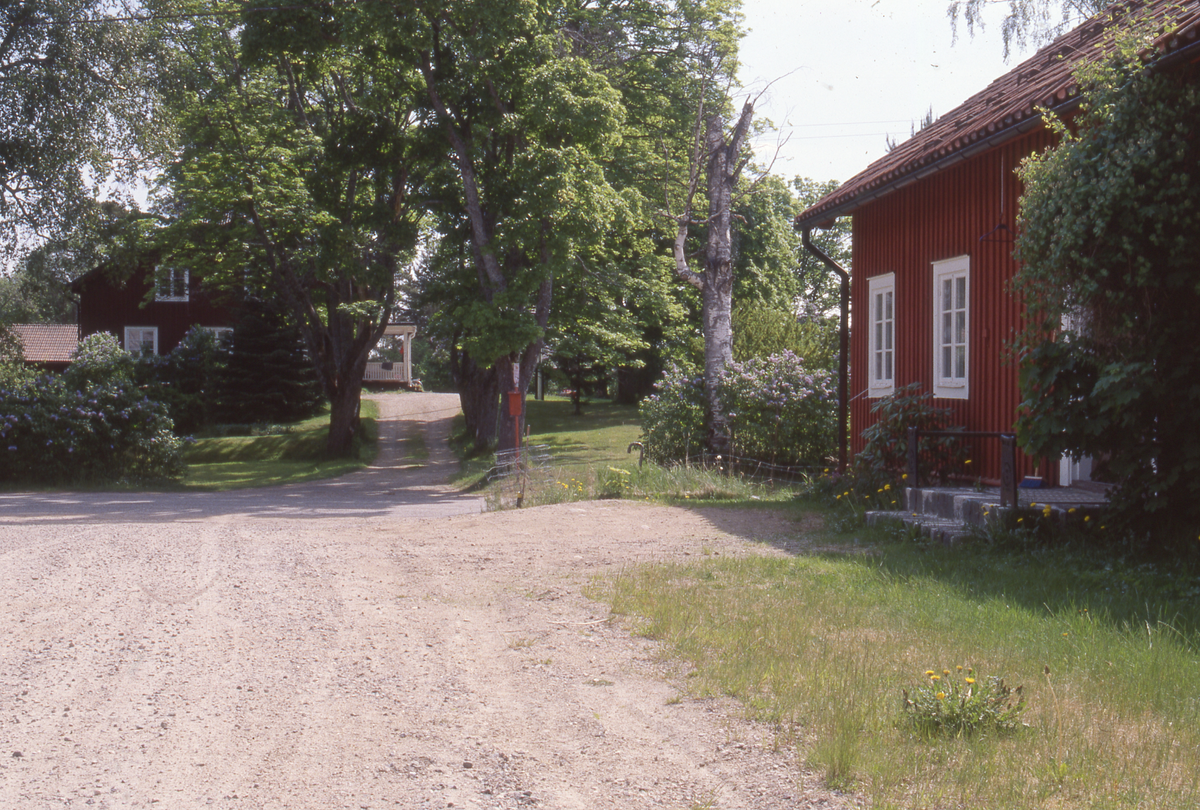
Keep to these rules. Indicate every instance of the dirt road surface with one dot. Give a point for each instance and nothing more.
(375, 642)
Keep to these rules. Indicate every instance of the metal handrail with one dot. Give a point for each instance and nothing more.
(1008, 457)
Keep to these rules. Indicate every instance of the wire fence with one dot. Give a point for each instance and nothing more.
(518, 475)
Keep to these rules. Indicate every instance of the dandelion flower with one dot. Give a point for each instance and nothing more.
(959, 668)
(935, 677)
(945, 672)
(969, 681)
(930, 673)
(968, 461)
(904, 477)
(941, 696)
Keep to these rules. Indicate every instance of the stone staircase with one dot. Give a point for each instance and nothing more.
(948, 515)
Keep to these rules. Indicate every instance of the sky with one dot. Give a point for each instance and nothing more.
(845, 74)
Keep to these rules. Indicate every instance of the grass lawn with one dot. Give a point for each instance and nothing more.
(822, 645)
(237, 462)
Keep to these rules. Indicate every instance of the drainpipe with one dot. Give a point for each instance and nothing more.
(843, 346)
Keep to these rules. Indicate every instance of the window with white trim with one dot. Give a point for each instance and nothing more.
(881, 348)
(222, 334)
(170, 283)
(952, 327)
(141, 339)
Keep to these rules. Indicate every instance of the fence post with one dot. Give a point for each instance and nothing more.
(914, 435)
(1008, 470)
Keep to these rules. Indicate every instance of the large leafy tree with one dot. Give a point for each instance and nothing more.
(528, 123)
(292, 178)
(72, 105)
(1109, 239)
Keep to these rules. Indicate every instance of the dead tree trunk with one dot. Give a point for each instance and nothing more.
(723, 162)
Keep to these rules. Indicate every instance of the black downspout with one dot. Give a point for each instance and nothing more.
(843, 346)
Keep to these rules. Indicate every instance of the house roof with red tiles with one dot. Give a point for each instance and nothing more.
(48, 342)
(1009, 106)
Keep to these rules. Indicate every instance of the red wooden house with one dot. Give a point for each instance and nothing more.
(933, 231)
(149, 311)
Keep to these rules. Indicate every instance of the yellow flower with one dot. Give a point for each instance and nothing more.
(935, 677)
(904, 477)
(969, 681)
(886, 487)
(959, 668)
(941, 695)
(945, 672)
(1086, 518)
(930, 673)
(968, 461)
(1071, 511)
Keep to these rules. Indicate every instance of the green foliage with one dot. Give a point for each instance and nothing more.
(956, 704)
(759, 331)
(70, 105)
(265, 374)
(92, 423)
(13, 370)
(187, 381)
(1110, 231)
(884, 457)
(820, 288)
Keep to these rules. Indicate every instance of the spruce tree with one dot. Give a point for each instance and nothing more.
(268, 377)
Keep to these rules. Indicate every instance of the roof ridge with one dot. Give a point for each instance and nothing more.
(998, 112)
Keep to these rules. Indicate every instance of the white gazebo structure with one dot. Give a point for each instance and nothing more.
(394, 372)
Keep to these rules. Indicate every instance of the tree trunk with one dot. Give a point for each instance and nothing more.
(479, 394)
(724, 167)
(343, 417)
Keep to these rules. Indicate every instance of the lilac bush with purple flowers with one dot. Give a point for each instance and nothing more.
(90, 424)
(781, 412)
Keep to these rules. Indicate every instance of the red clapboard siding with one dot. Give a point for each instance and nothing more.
(941, 217)
(105, 306)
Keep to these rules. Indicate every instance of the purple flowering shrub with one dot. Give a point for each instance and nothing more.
(780, 412)
(90, 424)
(673, 417)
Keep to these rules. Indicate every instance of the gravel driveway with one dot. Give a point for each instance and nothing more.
(369, 642)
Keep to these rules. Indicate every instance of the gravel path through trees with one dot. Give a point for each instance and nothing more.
(288, 650)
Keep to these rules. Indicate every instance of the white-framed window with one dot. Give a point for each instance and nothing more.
(952, 327)
(881, 348)
(170, 283)
(222, 334)
(140, 339)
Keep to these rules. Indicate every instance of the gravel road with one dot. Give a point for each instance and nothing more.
(372, 642)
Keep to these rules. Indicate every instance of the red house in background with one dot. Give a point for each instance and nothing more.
(151, 310)
(933, 232)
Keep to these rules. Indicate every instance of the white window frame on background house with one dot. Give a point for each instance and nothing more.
(170, 283)
(136, 339)
(219, 333)
(952, 328)
(881, 343)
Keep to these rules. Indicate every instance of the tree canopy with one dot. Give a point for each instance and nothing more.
(72, 106)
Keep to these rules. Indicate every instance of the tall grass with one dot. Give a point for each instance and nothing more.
(822, 647)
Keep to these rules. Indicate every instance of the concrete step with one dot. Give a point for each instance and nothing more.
(939, 530)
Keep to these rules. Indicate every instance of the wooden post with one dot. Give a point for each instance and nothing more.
(914, 436)
(1008, 470)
